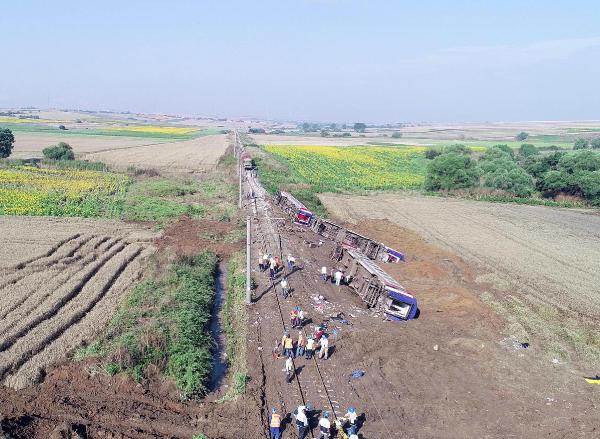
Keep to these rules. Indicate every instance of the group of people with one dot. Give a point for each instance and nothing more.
(335, 276)
(271, 263)
(301, 415)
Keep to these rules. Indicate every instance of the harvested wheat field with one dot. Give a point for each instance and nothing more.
(183, 156)
(61, 282)
(541, 263)
(30, 145)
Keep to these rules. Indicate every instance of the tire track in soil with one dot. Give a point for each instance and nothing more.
(87, 327)
(87, 293)
(28, 290)
(50, 300)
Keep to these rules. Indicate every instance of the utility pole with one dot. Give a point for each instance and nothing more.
(248, 280)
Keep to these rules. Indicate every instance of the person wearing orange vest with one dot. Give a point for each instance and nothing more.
(275, 424)
(287, 345)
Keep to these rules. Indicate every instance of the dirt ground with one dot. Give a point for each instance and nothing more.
(475, 384)
(194, 155)
(30, 145)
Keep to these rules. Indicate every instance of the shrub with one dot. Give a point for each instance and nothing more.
(457, 149)
(522, 136)
(7, 140)
(507, 149)
(589, 183)
(527, 149)
(346, 134)
(256, 130)
(62, 127)
(595, 143)
(585, 160)
(324, 133)
(432, 153)
(450, 171)
(581, 143)
(396, 135)
(496, 152)
(62, 151)
(515, 181)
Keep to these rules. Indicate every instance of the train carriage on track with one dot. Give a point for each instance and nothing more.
(294, 208)
(247, 161)
(377, 288)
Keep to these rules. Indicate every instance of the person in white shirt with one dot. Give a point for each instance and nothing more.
(338, 277)
(291, 262)
(301, 421)
(324, 274)
(285, 289)
(289, 369)
(310, 347)
(324, 352)
(325, 426)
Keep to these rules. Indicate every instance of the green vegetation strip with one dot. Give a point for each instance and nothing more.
(235, 327)
(165, 323)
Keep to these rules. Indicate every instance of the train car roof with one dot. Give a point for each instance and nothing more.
(294, 201)
(374, 269)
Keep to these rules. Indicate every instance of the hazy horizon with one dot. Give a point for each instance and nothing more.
(314, 60)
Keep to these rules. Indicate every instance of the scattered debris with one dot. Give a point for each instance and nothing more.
(358, 373)
(593, 380)
(436, 347)
(513, 343)
(556, 361)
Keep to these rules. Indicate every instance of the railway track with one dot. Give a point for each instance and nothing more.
(309, 380)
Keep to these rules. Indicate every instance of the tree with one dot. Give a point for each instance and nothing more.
(522, 136)
(581, 143)
(333, 126)
(497, 152)
(457, 148)
(396, 135)
(507, 149)
(7, 141)
(450, 171)
(305, 126)
(360, 127)
(595, 143)
(512, 178)
(62, 127)
(527, 149)
(62, 151)
(324, 133)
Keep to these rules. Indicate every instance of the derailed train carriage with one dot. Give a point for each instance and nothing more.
(376, 287)
(298, 211)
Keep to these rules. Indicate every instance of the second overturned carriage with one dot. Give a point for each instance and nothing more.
(376, 287)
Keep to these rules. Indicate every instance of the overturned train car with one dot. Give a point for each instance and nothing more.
(376, 287)
(294, 208)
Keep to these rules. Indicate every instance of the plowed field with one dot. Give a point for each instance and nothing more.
(60, 283)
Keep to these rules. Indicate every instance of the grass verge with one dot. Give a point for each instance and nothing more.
(235, 327)
(164, 323)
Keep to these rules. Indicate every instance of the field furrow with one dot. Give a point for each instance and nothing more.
(84, 329)
(22, 324)
(32, 291)
(87, 293)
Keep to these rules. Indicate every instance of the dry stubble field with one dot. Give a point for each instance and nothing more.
(182, 156)
(61, 280)
(542, 261)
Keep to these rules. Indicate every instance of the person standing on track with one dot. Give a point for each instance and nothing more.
(300, 317)
(287, 345)
(351, 416)
(275, 424)
(301, 421)
(310, 347)
(293, 317)
(272, 267)
(324, 352)
(325, 426)
(301, 344)
(285, 289)
(261, 263)
(289, 369)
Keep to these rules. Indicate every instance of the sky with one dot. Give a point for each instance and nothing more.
(307, 60)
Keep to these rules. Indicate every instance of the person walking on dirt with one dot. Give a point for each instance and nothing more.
(294, 317)
(301, 344)
(310, 347)
(272, 268)
(289, 369)
(287, 345)
(301, 421)
(324, 352)
(338, 277)
(324, 274)
(325, 426)
(300, 317)
(261, 263)
(351, 417)
(275, 424)
(319, 331)
(285, 288)
(291, 261)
